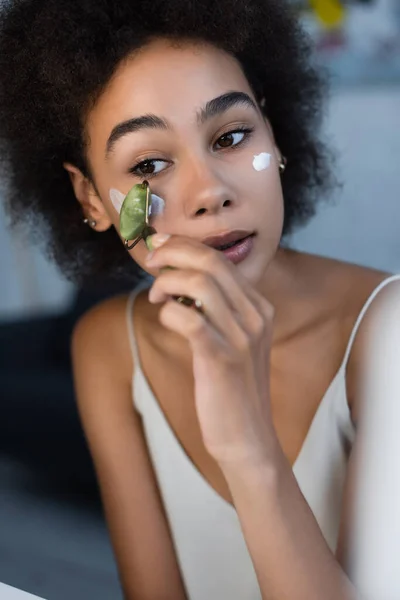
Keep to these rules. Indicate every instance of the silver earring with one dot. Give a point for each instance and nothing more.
(282, 165)
(92, 223)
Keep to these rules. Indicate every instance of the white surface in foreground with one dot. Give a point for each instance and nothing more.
(10, 593)
(51, 542)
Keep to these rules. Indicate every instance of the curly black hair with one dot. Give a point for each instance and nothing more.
(56, 58)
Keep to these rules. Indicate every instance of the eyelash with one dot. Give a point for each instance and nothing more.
(246, 130)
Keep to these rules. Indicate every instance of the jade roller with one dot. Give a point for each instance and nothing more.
(134, 225)
(134, 215)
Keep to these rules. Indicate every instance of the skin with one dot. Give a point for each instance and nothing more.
(313, 298)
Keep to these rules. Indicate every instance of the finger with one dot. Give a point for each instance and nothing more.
(185, 253)
(200, 285)
(202, 336)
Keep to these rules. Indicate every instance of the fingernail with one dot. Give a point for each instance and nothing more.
(149, 256)
(157, 239)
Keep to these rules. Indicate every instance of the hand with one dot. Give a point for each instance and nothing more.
(230, 346)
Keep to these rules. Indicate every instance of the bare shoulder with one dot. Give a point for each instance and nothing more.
(349, 279)
(361, 346)
(342, 287)
(103, 319)
(102, 333)
(354, 285)
(338, 292)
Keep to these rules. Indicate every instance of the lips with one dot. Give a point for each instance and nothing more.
(224, 239)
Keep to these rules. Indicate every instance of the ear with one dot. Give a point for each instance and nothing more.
(92, 206)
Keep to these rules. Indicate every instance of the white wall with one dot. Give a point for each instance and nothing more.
(29, 284)
(363, 223)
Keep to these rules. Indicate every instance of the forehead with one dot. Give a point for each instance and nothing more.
(168, 79)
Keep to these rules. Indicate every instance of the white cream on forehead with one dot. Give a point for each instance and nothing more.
(261, 161)
(156, 208)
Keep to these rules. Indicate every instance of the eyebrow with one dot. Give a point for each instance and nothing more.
(213, 108)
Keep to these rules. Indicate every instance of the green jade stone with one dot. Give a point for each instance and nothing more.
(132, 222)
(132, 218)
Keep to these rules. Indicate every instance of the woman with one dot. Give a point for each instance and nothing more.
(226, 475)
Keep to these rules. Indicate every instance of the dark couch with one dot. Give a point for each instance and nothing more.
(39, 424)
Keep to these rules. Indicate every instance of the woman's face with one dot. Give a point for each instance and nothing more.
(207, 160)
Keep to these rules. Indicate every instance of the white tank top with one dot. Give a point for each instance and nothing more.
(208, 539)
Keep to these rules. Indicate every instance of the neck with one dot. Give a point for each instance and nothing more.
(282, 286)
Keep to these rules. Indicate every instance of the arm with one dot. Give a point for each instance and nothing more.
(375, 548)
(290, 555)
(133, 509)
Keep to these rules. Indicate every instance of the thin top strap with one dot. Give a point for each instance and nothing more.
(129, 320)
(376, 291)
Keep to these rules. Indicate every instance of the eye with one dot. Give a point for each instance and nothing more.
(147, 168)
(234, 138)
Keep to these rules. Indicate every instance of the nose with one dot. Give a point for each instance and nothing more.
(206, 191)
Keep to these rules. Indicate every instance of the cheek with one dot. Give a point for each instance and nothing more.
(260, 173)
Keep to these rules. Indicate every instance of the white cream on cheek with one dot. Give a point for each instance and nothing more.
(261, 161)
(156, 208)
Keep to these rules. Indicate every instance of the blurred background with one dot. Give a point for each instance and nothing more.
(53, 538)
